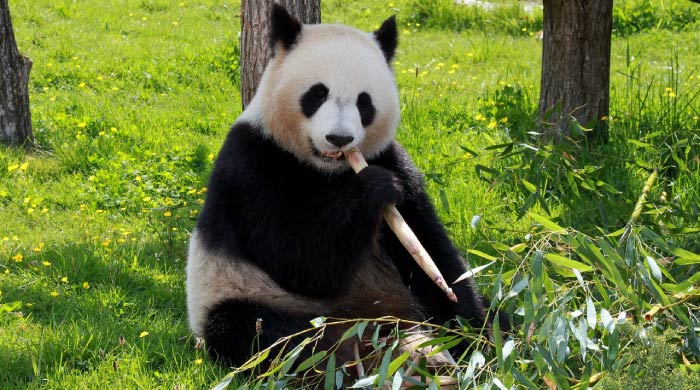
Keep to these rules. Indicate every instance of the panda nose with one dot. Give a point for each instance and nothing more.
(339, 140)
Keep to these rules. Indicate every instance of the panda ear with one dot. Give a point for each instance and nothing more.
(388, 37)
(284, 28)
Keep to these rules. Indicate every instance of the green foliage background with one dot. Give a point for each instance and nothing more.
(131, 100)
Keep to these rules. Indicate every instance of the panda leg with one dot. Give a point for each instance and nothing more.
(231, 337)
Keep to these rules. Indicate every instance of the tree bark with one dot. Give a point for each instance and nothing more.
(575, 81)
(15, 118)
(255, 27)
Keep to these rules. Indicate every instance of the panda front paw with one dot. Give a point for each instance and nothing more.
(380, 186)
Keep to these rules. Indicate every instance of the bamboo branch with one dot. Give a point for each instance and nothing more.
(404, 233)
(638, 206)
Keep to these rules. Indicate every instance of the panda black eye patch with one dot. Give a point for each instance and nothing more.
(313, 99)
(366, 108)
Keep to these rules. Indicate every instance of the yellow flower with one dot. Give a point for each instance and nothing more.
(18, 258)
(39, 247)
(167, 214)
(504, 119)
(492, 124)
(198, 361)
(64, 279)
(86, 285)
(46, 263)
(12, 167)
(81, 85)
(82, 125)
(143, 334)
(54, 293)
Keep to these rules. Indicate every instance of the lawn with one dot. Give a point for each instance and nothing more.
(131, 100)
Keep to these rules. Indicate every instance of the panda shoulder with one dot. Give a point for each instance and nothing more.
(240, 147)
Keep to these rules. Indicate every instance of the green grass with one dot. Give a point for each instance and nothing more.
(131, 101)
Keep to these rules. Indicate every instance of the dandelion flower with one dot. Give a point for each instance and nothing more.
(198, 361)
(86, 285)
(39, 247)
(53, 293)
(18, 258)
(46, 263)
(64, 279)
(167, 214)
(144, 334)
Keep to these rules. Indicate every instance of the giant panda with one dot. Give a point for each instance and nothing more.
(288, 232)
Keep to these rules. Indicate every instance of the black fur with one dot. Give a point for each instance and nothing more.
(366, 108)
(231, 334)
(313, 99)
(309, 230)
(284, 28)
(388, 37)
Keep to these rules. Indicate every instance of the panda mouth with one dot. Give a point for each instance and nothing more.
(329, 156)
(334, 155)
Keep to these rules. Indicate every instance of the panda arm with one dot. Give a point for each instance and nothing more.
(420, 215)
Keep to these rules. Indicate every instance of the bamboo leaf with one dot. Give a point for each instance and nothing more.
(481, 254)
(329, 383)
(546, 223)
(472, 272)
(364, 382)
(568, 263)
(654, 268)
(396, 363)
(255, 361)
(311, 361)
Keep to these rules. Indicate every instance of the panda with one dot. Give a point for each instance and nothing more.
(288, 232)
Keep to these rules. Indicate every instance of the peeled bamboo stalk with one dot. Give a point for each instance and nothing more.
(404, 233)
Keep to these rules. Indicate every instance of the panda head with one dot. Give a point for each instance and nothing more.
(327, 89)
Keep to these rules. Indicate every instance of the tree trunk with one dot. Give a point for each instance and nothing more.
(255, 27)
(15, 118)
(575, 82)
